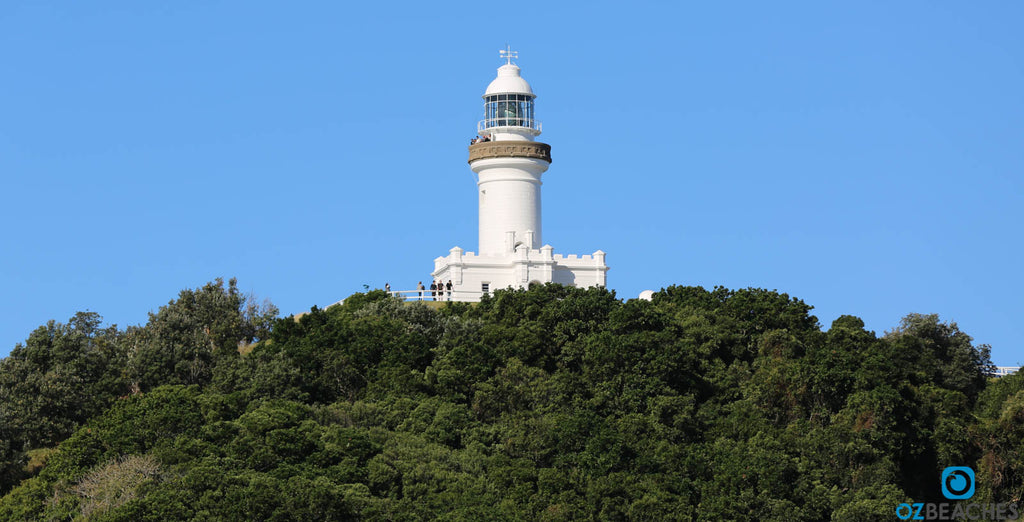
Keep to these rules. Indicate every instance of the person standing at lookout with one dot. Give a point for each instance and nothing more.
(420, 288)
(433, 290)
(448, 287)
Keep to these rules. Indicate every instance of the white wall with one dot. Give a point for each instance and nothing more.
(468, 271)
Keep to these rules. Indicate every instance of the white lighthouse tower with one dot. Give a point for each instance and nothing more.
(509, 163)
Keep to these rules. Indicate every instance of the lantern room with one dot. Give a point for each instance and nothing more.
(509, 105)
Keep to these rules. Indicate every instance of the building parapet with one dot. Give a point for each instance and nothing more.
(544, 253)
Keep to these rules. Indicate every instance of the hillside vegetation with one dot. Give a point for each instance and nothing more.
(548, 404)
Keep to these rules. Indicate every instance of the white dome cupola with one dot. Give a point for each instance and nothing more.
(509, 81)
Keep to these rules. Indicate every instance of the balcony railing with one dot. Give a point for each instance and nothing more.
(483, 126)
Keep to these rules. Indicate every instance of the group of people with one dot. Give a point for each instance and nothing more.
(439, 291)
(479, 139)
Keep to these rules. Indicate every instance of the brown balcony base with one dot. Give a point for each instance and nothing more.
(510, 149)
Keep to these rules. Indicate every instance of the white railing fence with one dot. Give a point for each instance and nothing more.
(1003, 371)
(437, 295)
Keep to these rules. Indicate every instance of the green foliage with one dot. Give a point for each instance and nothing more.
(941, 353)
(1000, 435)
(549, 404)
(64, 374)
(183, 339)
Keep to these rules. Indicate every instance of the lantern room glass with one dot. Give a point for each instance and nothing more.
(509, 110)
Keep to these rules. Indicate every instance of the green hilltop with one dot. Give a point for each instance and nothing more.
(552, 403)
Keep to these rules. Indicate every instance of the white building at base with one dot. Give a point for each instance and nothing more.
(508, 164)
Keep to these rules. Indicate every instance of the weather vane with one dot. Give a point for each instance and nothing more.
(508, 54)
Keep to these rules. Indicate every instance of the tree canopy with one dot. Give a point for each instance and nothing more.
(552, 403)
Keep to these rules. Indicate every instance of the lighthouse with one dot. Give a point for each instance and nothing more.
(508, 162)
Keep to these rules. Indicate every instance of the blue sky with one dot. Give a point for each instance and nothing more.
(865, 157)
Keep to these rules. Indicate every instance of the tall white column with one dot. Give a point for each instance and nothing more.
(509, 192)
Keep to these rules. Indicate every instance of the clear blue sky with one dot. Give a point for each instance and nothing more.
(863, 156)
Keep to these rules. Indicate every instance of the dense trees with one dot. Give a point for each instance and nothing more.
(552, 404)
(65, 374)
(180, 341)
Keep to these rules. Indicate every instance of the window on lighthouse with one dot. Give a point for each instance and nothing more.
(509, 110)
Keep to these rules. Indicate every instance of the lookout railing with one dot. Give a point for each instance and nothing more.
(437, 295)
(1003, 371)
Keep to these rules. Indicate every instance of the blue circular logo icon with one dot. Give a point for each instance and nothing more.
(958, 483)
